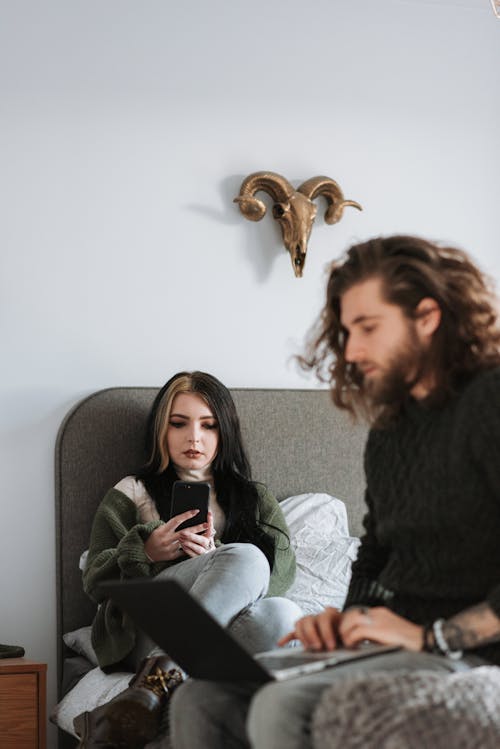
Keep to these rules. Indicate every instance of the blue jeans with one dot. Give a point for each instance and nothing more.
(239, 716)
(230, 583)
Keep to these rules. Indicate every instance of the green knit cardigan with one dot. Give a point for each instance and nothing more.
(116, 551)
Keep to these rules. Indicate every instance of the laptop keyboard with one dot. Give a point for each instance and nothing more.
(289, 660)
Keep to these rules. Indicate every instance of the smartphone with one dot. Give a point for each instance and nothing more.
(190, 495)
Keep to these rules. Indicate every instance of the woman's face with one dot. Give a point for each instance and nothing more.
(193, 432)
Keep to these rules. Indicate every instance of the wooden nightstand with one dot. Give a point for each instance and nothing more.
(22, 704)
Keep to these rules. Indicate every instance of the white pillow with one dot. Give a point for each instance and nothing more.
(80, 641)
(323, 548)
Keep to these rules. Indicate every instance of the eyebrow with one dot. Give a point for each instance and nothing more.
(183, 416)
(361, 319)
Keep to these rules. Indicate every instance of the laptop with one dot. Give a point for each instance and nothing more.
(203, 648)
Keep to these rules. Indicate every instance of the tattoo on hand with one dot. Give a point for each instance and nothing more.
(472, 628)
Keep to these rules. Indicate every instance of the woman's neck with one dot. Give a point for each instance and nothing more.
(195, 474)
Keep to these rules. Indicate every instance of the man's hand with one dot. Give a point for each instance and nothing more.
(379, 624)
(333, 628)
(318, 632)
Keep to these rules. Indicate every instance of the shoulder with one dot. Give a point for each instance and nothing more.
(115, 508)
(116, 500)
(131, 487)
(478, 400)
(137, 493)
(477, 405)
(263, 493)
(266, 500)
(483, 386)
(124, 495)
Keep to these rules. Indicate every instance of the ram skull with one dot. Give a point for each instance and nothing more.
(293, 209)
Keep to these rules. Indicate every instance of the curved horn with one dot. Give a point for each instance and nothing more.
(274, 184)
(330, 190)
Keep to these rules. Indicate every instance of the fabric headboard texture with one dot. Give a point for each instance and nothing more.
(296, 440)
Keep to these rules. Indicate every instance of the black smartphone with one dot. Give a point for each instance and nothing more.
(190, 495)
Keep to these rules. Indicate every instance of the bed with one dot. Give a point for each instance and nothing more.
(305, 450)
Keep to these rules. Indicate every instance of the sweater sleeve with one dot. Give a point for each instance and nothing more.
(272, 521)
(116, 549)
(482, 419)
(364, 588)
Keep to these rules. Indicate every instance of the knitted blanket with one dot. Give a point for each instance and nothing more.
(411, 710)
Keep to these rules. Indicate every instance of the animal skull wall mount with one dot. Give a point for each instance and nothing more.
(293, 209)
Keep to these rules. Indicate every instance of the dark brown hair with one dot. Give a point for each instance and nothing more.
(410, 268)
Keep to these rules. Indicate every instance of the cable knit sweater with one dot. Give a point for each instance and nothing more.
(123, 522)
(431, 546)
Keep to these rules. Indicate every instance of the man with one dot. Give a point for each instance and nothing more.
(409, 338)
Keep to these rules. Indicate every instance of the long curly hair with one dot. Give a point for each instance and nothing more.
(410, 269)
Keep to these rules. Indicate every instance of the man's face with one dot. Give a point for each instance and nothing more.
(382, 343)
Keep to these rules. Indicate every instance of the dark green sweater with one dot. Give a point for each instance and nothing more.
(116, 551)
(432, 531)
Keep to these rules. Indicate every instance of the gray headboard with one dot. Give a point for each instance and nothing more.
(296, 440)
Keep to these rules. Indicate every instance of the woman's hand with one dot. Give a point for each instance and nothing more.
(164, 543)
(194, 543)
(317, 632)
(379, 624)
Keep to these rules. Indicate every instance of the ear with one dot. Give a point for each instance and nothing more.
(427, 317)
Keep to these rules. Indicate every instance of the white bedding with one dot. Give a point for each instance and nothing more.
(323, 548)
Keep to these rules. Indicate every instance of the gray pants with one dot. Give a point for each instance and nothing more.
(277, 714)
(231, 582)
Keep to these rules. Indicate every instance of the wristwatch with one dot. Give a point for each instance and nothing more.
(440, 645)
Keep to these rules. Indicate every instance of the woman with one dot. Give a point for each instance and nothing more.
(193, 435)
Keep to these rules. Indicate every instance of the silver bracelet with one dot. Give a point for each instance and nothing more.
(442, 645)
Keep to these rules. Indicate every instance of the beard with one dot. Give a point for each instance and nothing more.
(404, 369)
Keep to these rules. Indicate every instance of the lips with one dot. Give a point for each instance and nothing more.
(192, 453)
(368, 370)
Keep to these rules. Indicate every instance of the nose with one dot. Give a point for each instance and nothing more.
(194, 435)
(353, 351)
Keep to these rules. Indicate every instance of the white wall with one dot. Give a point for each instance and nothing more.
(126, 130)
